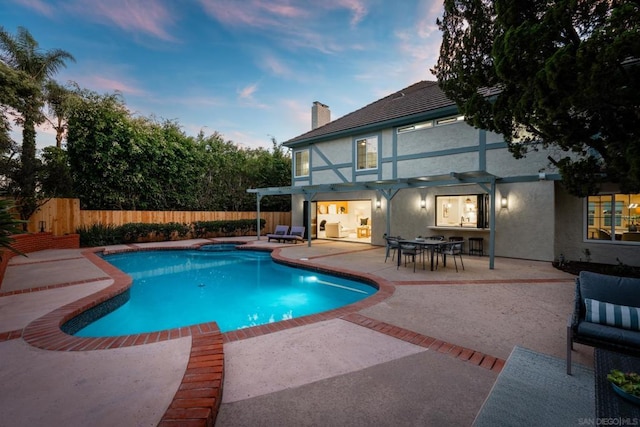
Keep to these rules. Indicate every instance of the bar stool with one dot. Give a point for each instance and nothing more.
(476, 246)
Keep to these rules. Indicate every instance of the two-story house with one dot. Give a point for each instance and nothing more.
(409, 165)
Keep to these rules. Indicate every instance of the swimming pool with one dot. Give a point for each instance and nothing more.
(234, 288)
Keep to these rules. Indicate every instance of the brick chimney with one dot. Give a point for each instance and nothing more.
(320, 115)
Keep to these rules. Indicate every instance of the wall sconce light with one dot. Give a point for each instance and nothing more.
(504, 202)
(423, 203)
(42, 225)
(378, 204)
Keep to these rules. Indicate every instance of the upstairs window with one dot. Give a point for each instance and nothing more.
(449, 120)
(367, 153)
(301, 163)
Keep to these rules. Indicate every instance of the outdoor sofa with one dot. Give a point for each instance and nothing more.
(606, 314)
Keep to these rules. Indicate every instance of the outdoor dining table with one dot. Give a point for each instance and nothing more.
(430, 244)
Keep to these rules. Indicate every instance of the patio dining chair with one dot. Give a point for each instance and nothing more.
(412, 252)
(392, 245)
(454, 250)
(436, 249)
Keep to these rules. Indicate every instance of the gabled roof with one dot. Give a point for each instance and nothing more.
(411, 102)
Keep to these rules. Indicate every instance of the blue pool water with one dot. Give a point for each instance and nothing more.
(234, 288)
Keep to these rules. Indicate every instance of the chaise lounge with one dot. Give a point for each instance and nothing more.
(282, 234)
(281, 230)
(606, 314)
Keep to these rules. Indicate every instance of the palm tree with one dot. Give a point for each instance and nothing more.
(58, 99)
(21, 52)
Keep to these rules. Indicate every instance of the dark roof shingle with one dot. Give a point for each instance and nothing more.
(418, 98)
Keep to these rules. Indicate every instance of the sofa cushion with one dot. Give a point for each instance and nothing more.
(620, 316)
(612, 289)
(619, 336)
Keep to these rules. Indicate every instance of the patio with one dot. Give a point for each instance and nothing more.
(400, 361)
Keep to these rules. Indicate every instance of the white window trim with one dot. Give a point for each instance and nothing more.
(449, 120)
(295, 163)
(415, 127)
(366, 138)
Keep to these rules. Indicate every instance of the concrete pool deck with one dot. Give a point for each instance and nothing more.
(426, 353)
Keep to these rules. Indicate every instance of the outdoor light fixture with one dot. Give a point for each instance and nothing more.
(504, 202)
(423, 203)
(378, 203)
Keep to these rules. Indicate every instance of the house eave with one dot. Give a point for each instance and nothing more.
(375, 127)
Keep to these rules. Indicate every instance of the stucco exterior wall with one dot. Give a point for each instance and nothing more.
(440, 165)
(501, 162)
(438, 138)
(526, 228)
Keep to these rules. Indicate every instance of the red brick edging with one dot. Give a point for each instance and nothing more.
(199, 395)
(462, 353)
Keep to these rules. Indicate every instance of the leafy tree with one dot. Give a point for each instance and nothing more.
(8, 225)
(564, 74)
(98, 127)
(15, 89)
(55, 174)
(21, 52)
(270, 169)
(122, 162)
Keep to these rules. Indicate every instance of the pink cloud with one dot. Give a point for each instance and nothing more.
(100, 83)
(275, 66)
(357, 8)
(136, 16)
(38, 5)
(252, 13)
(295, 26)
(248, 91)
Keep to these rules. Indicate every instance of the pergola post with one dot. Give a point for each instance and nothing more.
(258, 198)
(308, 197)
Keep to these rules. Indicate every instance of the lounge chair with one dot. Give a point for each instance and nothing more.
(281, 230)
(296, 235)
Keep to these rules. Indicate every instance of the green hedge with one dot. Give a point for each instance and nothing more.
(243, 227)
(104, 235)
(99, 235)
(137, 231)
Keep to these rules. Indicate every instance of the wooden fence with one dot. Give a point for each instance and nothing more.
(64, 216)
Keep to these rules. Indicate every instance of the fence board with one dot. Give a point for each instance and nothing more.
(64, 216)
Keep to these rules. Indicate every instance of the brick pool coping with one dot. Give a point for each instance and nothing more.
(199, 395)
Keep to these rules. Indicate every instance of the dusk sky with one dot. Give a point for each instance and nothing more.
(249, 69)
